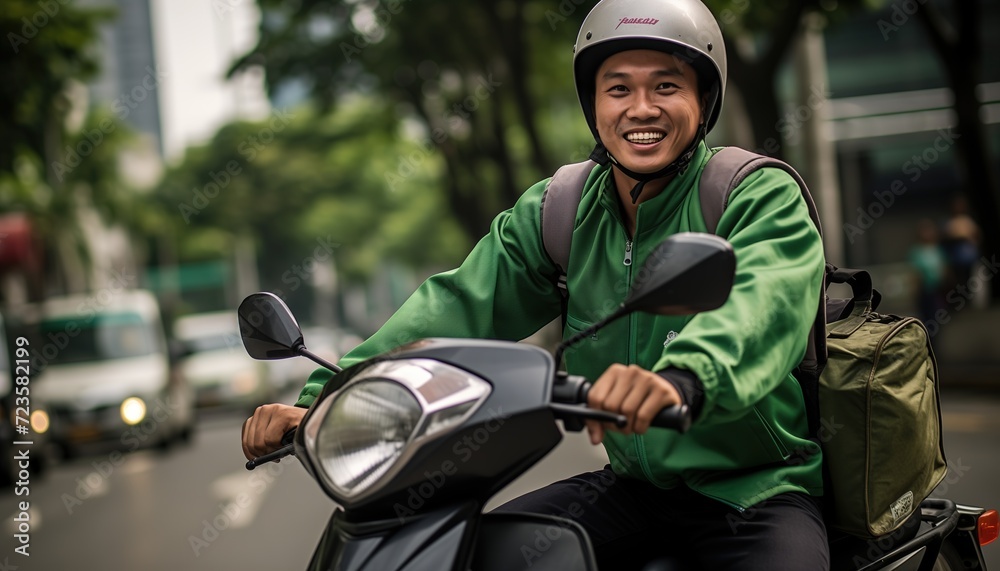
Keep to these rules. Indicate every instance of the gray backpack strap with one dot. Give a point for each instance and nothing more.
(727, 169)
(560, 202)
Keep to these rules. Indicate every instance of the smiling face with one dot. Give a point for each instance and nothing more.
(647, 108)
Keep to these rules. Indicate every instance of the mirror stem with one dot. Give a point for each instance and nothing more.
(301, 350)
(586, 333)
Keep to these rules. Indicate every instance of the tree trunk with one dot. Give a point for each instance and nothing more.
(756, 80)
(514, 46)
(761, 101)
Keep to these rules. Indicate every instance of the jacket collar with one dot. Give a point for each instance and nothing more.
(660, 208)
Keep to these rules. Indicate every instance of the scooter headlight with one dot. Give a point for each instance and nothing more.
(361, 436)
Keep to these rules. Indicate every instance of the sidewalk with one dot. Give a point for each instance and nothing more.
(968, 349)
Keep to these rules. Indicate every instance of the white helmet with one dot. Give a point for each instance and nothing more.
(684, 28)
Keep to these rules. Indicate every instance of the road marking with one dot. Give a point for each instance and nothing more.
(243, 490)
(140, 462)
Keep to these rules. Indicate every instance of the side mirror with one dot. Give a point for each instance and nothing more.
(270, 332)
(268, 329)
(687, 273)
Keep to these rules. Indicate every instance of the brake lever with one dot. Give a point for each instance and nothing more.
(287, 450)
(572, 415)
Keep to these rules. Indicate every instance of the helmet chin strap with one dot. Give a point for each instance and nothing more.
(602, 156)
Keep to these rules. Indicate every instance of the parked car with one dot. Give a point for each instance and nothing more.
(217, 366)
(329, 343)
(107, 374)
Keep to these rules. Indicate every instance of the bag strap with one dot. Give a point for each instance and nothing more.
(865, 299)
(560, 201)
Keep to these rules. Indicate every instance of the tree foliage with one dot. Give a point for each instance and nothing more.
(56, 158)
(296, 182)
(484, 80)
(47, 47)
(490, 82)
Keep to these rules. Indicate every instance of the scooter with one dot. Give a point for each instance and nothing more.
(413, 443)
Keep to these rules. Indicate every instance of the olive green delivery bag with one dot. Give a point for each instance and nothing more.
(880, 413)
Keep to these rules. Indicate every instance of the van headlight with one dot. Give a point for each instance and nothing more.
(361, 436)
(133, 410)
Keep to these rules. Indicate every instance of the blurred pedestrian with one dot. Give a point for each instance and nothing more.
(960, 239)
(928, 258)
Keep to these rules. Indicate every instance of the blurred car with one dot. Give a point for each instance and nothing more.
(107, 375)
(217, 366)
(328, 343)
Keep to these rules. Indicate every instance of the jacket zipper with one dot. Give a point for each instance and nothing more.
(632, 357)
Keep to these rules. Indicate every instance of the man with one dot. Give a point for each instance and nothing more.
(738, 490)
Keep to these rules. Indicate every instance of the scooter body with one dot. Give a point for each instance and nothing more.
(413, 443)
(431, 517)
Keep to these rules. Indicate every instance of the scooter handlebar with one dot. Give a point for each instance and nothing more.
(287, 449)
(676, 417)
(573, 389)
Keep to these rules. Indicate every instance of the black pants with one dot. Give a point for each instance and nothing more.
(630, 521)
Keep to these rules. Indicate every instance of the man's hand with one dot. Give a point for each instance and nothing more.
(631, 391)
(262, 432)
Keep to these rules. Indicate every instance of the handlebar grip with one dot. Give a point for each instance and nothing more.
(287, 449)
(676, 417)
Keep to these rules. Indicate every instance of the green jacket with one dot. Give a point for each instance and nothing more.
(749, 441)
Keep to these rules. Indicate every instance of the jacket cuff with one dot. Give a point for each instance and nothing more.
(688, 385)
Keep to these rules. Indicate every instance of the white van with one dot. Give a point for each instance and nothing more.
(106, 373)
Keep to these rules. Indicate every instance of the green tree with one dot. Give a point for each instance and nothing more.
(48, 51)
(297, 182)
(477, 77)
